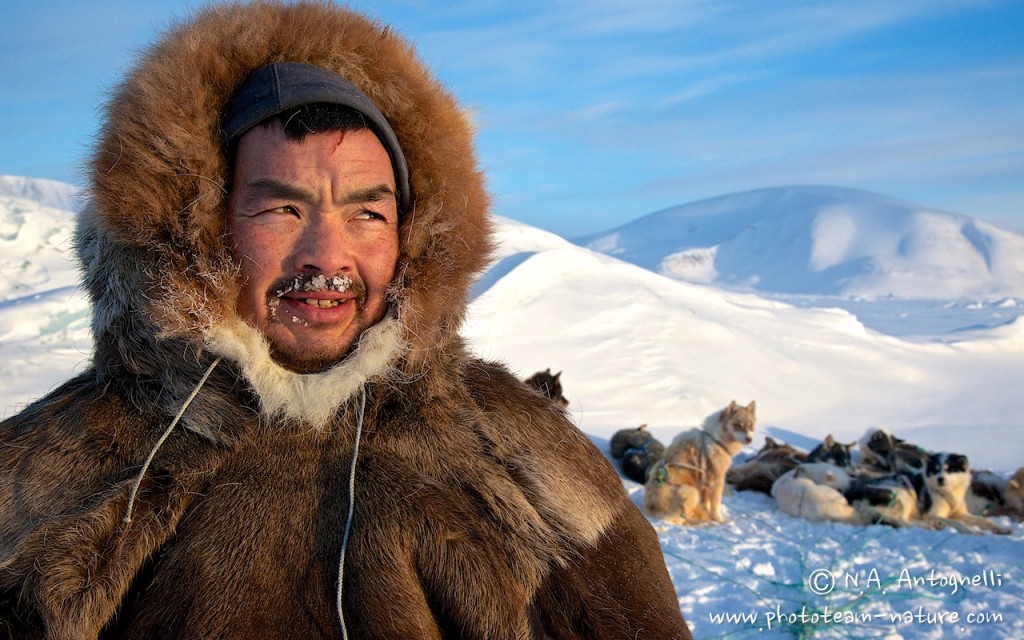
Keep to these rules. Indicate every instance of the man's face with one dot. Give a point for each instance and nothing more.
(314, 229)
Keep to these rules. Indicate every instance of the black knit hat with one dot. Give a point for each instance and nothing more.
(277, 87)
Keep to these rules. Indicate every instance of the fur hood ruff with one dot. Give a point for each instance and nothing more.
(153, 245)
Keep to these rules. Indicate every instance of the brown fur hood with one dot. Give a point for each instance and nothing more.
(152, 244)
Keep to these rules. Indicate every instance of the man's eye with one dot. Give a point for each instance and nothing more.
(366, 214)
(287, 210)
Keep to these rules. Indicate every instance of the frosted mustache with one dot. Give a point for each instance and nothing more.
(318, 282)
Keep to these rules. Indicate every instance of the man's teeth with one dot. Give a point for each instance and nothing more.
(323, 304)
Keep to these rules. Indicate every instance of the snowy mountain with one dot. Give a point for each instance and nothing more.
(823, 241)
(49, 193)
(637, 347)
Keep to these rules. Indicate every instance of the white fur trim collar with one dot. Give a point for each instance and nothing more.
(310, 398)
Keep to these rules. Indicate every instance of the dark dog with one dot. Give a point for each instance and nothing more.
(987, 493)
(549, 384)
(765, 467)
(884, 452)
(637, 450)
(890, 500)
(1013, 497)
(833, 452)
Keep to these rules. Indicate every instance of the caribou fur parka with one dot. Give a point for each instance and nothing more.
(480, 511)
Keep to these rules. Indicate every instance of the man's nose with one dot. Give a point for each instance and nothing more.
(324, 247)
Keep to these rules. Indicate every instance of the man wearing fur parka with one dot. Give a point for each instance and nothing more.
(281, 433)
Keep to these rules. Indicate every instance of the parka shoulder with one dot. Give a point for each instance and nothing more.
(67, 467)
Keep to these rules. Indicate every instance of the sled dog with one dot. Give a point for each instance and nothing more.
(765, 467)
(814, 491)
(686, 485)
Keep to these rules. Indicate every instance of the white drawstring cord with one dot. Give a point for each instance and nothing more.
(351, 509)
(166, 434)
(351, 479)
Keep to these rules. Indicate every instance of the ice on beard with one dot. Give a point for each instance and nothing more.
(318, 282)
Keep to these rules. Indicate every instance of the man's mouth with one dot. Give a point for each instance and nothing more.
(323, 304)
(314, 292)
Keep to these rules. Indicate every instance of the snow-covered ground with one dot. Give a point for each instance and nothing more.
(939, 366)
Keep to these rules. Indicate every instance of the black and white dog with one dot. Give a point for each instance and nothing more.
(929, 490)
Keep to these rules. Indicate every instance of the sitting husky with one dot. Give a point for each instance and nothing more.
(813, 491)
(686, 485)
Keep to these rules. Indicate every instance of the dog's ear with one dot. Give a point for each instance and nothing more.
(752, 407)
(770, 443)
(829, 441)
(731, 409)
(957, 463)
(879, 441)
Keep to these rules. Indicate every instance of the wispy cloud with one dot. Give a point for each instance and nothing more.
(614, 108)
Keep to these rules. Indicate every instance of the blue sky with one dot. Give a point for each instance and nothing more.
(592, 113)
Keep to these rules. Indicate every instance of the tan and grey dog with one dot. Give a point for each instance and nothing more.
(686, 486)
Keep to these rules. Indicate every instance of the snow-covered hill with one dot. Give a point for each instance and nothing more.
(823, 241)
(636, 347)
(35, 243)
(44, 319)
(49, 193)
